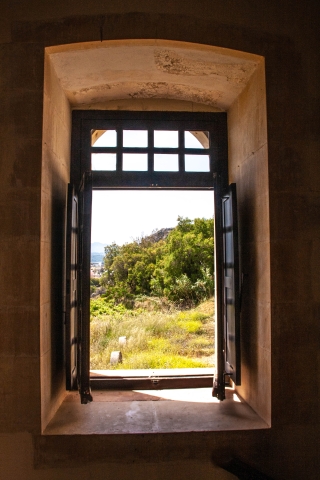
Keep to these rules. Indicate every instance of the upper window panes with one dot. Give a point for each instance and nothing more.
(103, 138)
(103, 161)
(152, 151)
(166, 139)
(135, 162)
(135, 138)
(196, 139)
(166, 163)
(197, 163)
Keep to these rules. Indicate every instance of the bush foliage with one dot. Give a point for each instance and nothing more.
(179, 267)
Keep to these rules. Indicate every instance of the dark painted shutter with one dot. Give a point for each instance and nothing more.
(83, 370)
(71, 293)
(227, 290)
(231, 284)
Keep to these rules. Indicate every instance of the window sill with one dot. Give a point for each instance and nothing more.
(145, 412)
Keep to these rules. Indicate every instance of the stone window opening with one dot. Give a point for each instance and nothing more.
(223, 80)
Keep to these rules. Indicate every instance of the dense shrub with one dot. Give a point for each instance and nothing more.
(179, 267)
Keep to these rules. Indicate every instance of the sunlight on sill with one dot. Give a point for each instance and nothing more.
(190, 395)
(153, 373)
(236, 398)
(157, 411)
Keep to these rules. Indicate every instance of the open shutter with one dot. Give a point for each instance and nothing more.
(231, 284)
(227, 290)
(71, 293)
(83, 351)
(78, 244)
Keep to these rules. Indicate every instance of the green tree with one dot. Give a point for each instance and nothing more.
(185, 271)
(179, 267)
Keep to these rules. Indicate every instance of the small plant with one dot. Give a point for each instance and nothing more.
(94, 285)
(101, 306)
(150, 359)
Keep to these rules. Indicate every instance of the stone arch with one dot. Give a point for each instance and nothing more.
(91, 75)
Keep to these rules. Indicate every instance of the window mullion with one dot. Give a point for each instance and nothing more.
(181, 151)
(119, 149)
(150, 150)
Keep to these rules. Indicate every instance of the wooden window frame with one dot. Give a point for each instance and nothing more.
(83, 180)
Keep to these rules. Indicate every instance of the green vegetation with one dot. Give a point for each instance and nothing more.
(156, 338)
(155, 291)
(179, 267)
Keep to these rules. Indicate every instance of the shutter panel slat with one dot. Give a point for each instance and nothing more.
(71, 289)
(227, 290)
(231, 284)
(85, 206)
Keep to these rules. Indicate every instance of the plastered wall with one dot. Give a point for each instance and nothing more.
(248, 168)
(55, 178)
(286, 35)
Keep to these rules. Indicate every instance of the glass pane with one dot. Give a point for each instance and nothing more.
(103, 138)
(196, 139)
(135, 162)
(197, 163)
(103, 161)
(166, 163)
(135, 138)
(166, 139)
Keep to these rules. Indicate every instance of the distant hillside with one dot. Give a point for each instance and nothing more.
(97, 257)
(97, 247)
(158, 235)
(97, 252)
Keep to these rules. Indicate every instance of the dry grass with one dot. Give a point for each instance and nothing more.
(158, 336)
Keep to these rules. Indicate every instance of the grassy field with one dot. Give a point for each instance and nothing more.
(157, 335)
